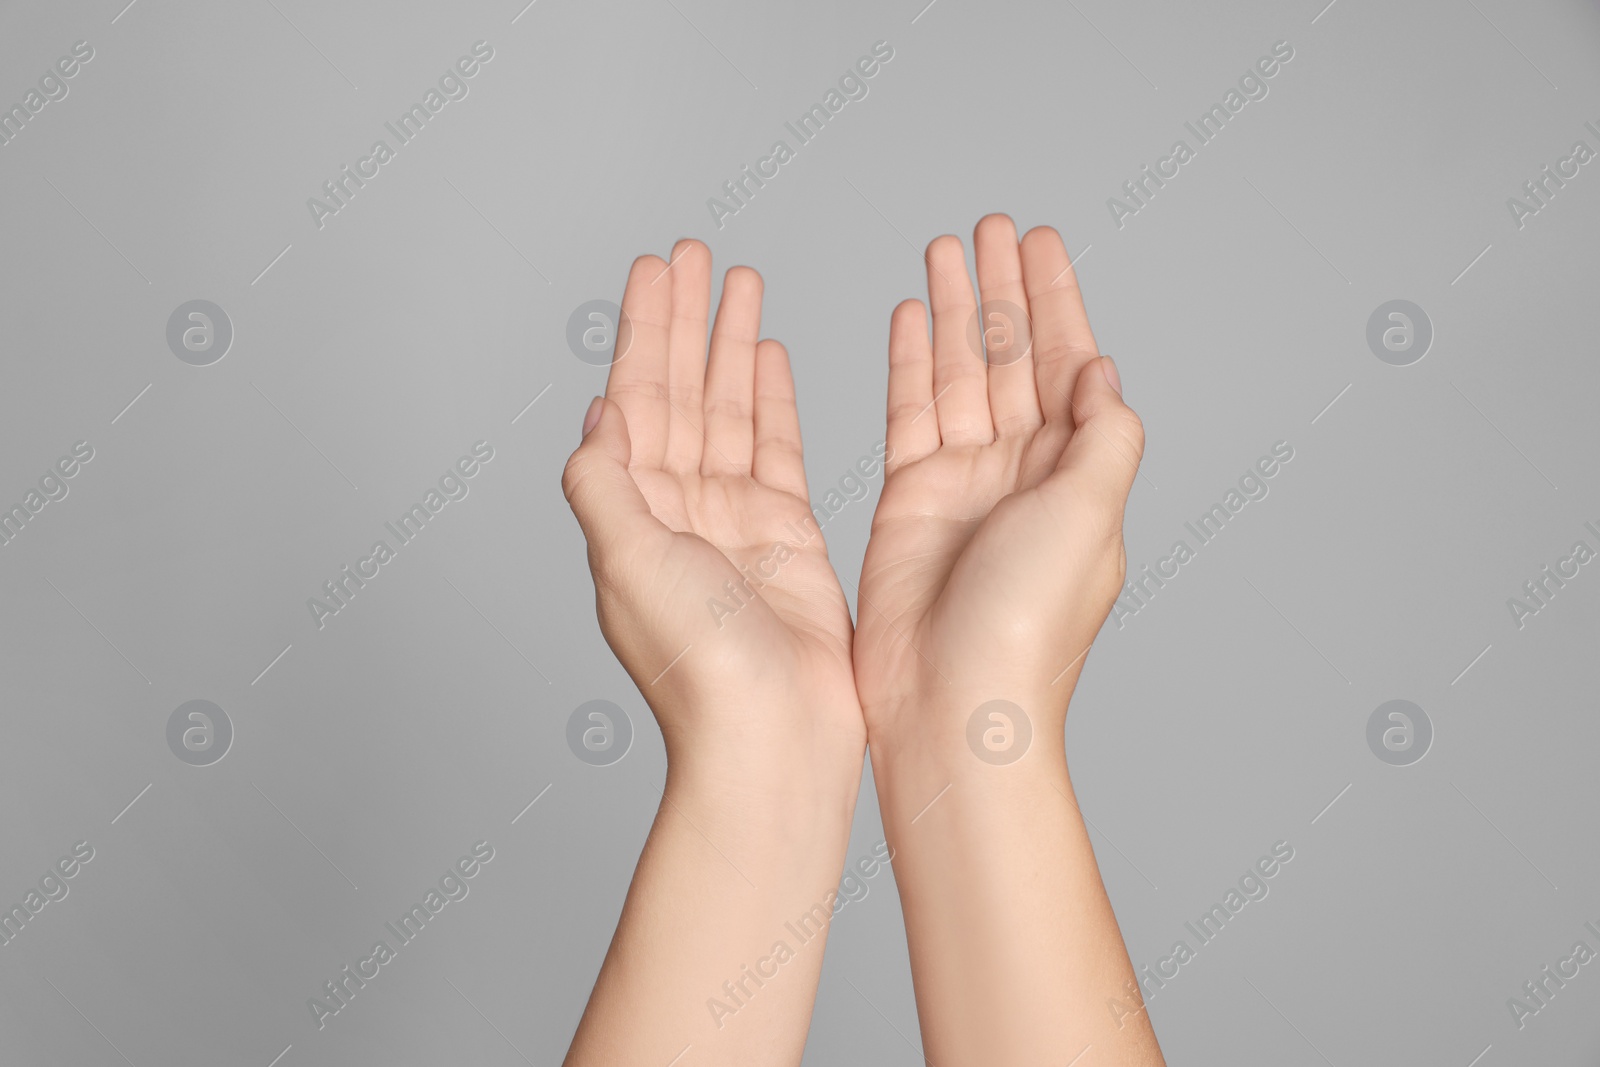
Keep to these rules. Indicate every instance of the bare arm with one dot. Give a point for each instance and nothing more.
(720, 945)
(714, 589)
(996, 552)
(1015, 952)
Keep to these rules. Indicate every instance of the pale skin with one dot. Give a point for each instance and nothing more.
(995, 555)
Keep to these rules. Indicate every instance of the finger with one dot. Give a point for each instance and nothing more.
(1062, 340)
(1102, 458)
(778, 460)
(689, 276)
(598, 485)
(638, 378)
(731, 376)
(960, 388)
(1004, 326)
(913, 430)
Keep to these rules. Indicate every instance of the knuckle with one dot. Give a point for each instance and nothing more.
(1018, 423)
(905, 409)
(682, 396)
(965, 367)
(1063, 351)
(724, 407)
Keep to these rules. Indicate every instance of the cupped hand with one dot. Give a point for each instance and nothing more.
(711, 577)
(996, 549)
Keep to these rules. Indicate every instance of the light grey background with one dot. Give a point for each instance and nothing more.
(370, 354)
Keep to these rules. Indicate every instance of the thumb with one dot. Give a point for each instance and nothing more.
(1102, 457)
(596, 481)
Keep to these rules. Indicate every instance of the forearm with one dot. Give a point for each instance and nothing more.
(720, 944)
(1015, 951)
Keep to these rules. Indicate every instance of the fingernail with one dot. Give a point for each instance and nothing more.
(1112, 377)
(592, 416)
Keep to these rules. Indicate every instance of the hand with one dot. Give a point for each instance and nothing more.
(996, 548)
(715, 592)
(996, 552)
(711, 576)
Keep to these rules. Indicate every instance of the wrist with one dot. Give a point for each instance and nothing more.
(761, 772)
(792, 820)
(960, 728)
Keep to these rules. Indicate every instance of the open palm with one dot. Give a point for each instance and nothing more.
(713, 582)
(996, 548)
